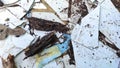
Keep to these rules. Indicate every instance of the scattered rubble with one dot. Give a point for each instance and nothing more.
(93, 25)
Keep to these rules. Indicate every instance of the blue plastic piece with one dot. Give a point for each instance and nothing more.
(65, 45)
(54, 52)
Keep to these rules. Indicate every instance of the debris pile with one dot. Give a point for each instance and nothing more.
(67, 33)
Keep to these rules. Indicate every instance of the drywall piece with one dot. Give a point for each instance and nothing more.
(85, 36)
(47, 16)
(110, 22)
(58, 6)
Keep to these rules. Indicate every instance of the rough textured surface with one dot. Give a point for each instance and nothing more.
(46, 25)
(40, 44)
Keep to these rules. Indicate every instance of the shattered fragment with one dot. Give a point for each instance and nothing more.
(9, 62)
(103, 38)
(116, 3)
(1, 3)
(46, 25)
(5, 31)
(40, 44)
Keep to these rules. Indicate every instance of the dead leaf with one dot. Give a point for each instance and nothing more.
(9, 62)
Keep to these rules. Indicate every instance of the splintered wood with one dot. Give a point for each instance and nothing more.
(40, 44)
(46, 25)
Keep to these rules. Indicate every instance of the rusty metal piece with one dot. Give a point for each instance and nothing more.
(9, 62)
(40, 44)
(46, 25)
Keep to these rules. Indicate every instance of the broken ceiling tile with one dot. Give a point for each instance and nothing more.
(39, 6)
(17, 11)
(110, 22)
(47, 16)
(85, 35)
(58, 6)
(22, 41)
(21, 9)
(26, 4)
(101, 57)
(9, 19)
(87, 32)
